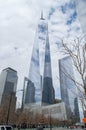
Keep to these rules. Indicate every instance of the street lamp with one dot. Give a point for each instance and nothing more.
(64, 119)
(50, 112)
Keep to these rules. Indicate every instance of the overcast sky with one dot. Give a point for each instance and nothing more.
(18, 23)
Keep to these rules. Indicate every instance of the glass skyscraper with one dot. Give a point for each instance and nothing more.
(34, 87)
(8, 85)
(48, 94)
(63, 81)
(67, 86)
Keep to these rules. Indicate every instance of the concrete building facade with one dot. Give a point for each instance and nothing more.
(57, 111)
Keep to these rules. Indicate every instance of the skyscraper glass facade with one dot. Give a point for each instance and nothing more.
(48, 94)
(40, 58)
(8, 83)
(67, 86)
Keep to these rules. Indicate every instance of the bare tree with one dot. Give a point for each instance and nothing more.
(76, 50)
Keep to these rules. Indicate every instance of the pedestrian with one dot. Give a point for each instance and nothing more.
(18, 127)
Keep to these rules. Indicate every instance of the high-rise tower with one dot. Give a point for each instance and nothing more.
(33, 88)
(8, 85)
(35, 84)
(30, 93)
(48, 95)
(67, 86)
(64, 81)
(76, 110)
(33, 92)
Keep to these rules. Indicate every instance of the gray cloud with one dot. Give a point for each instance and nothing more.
(18, 23)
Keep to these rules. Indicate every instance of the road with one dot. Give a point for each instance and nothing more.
(60, 128)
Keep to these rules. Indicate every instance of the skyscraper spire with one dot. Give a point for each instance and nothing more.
(42, 15)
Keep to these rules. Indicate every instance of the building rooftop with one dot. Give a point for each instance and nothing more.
(9, 68)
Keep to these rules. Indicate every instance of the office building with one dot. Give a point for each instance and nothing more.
(35, 85)
(67, 86)
(40, 61)
(8, 83)
(56, 111)
(63, 79)
(76, 110)
(30, 93)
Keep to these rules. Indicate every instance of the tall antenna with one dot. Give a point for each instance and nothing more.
(42, 15)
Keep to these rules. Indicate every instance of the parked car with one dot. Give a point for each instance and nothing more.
(6, 127)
